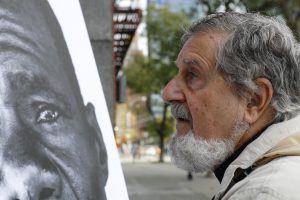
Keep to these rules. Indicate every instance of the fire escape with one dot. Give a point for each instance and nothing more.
(125, 23)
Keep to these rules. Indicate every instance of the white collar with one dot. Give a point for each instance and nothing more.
(269, 138)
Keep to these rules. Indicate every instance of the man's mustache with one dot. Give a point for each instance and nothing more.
(180, 111)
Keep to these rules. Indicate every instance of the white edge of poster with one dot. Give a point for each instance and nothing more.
(69, 15)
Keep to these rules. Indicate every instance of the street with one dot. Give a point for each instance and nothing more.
(163, 181)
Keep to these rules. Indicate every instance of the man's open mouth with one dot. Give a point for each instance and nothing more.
(180, 112)
(181, 119)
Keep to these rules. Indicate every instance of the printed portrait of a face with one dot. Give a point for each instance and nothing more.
(51, 147)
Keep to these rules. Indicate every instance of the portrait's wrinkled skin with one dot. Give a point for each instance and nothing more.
(51, 146)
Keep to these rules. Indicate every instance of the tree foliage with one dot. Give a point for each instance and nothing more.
(288, 9)
(149, 75)
(153, 126)
(164, 29)
(140, 75)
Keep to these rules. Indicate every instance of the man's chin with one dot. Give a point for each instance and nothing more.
(197, 154)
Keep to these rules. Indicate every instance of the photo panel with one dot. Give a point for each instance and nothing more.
(76, 36)
(56, 136)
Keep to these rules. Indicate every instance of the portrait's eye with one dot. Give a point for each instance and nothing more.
(47, 114)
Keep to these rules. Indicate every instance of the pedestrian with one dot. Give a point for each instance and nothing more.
(189, 176)
(236, 100)
(135, 150)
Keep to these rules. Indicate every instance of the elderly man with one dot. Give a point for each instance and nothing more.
(236, 100)
(50, 146)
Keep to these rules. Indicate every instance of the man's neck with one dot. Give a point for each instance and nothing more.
(220, 171)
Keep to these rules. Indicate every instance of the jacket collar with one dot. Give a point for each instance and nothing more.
(263, 144)
(220, 171)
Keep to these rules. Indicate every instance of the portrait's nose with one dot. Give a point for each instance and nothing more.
(172, 92)
(28, 183)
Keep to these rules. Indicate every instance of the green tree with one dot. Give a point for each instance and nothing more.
(288, 9)
(150, 75)
(153, 125)
(207, 7)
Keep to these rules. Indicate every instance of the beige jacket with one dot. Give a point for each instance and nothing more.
(277, 152)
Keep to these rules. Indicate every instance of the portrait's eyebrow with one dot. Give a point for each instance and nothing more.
(33, 84)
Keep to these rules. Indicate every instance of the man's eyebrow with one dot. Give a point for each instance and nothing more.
(188, 61)
(33, 84)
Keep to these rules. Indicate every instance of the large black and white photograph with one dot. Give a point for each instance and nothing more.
(56, 143)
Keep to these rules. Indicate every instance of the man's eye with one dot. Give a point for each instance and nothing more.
(47, 114)
(191, 75)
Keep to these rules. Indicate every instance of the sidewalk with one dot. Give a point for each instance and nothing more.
(163, 181)
(127, 158)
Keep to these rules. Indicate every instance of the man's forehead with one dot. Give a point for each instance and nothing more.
(205, 40)
(200, 47)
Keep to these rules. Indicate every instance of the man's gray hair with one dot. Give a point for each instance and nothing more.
(257, 46)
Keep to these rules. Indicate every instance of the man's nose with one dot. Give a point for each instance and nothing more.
(172, 92)
(28, 183)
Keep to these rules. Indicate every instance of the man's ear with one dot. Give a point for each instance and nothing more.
(259, 101)
(93, 124)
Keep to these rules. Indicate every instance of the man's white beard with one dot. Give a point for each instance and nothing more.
(196, 154)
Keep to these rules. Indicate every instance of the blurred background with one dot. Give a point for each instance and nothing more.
(135, 44)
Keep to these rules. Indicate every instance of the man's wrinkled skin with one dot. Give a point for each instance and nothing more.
(50, 146)
(214, 112)
(212, 105)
